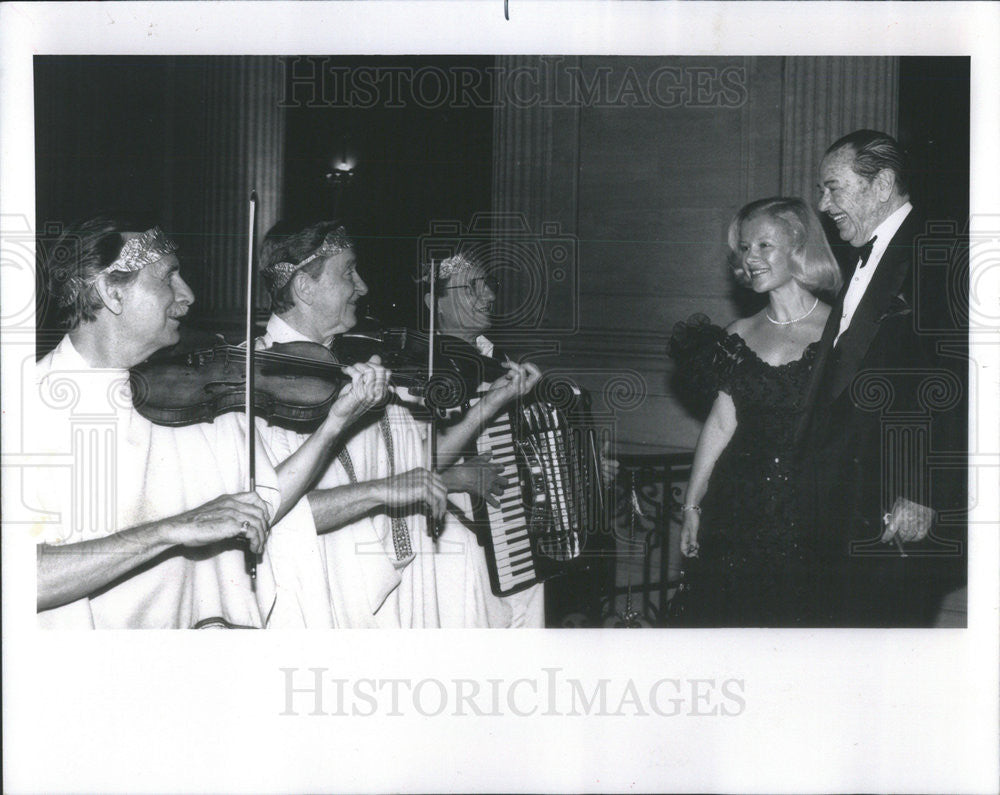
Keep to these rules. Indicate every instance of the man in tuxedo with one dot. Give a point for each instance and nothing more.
(870, 421)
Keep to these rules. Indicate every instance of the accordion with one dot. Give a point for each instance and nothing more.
(554, 497)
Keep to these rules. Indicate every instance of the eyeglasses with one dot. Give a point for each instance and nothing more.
(479, 286)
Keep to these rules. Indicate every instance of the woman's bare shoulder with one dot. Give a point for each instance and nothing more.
(737, 326)
(743, 325)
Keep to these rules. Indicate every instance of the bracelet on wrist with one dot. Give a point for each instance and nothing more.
(695, 508)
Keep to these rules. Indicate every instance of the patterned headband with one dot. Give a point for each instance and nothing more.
(142, 250)
(137, 252)
(335, 242)
(446, 268)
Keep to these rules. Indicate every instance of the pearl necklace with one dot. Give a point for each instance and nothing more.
(794, 319)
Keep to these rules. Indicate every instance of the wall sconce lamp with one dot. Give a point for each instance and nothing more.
(342, 163)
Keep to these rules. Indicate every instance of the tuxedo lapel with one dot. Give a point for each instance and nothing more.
(816, 378)
(854, 343)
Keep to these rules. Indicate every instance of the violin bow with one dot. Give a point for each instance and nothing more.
(434, 527)
(251, 437)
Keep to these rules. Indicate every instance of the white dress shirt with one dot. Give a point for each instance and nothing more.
(484, 346)
(862, 277)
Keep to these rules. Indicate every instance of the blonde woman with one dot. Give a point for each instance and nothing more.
(751, 562)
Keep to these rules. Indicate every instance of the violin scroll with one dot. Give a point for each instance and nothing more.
(459, 369)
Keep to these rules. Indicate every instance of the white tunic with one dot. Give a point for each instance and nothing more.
(438, 585)
(105, 468)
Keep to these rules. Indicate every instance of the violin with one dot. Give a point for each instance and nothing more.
(296, 383)
(293, 383)
(459, 369)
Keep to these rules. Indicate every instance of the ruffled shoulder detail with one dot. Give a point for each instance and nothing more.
(706, 356)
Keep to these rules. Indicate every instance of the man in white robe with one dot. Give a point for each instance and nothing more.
(139, 525)
(382, 568)
(464, 301)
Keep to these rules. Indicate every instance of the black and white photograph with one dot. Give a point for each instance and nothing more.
(397, 331)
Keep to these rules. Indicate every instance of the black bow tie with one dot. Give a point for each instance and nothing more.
(865, 252)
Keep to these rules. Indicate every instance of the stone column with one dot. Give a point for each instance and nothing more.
(535, 175)
(228, 111)
(825, 98)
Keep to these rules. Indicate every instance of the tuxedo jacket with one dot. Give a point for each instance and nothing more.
(880, 401)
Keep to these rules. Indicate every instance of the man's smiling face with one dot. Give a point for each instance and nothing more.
(848, 198)
(466, 303)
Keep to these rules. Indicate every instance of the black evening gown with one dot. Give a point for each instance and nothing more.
(758, 564)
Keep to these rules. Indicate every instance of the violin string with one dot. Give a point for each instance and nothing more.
(280, 358)
(309, 366)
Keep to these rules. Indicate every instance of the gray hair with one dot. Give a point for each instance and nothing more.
(74, 261)
(875, 151)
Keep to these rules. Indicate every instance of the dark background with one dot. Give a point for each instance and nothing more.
(414, 164)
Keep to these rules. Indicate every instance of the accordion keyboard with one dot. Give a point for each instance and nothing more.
(509, 522)
(545, 510)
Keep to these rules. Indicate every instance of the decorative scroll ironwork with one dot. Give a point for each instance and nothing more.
(636, 590)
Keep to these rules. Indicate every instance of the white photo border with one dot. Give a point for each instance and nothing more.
(823, 710)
